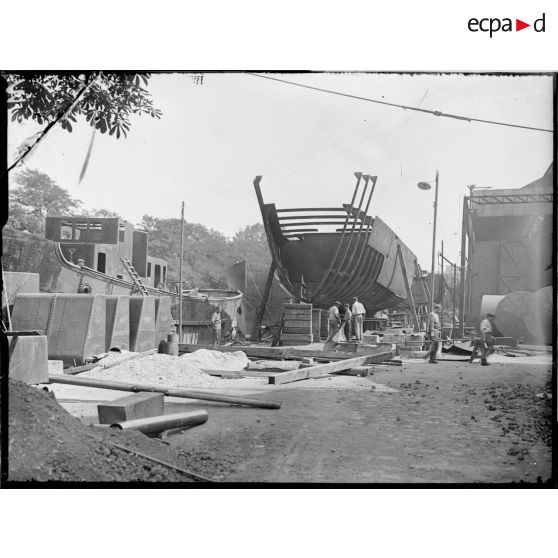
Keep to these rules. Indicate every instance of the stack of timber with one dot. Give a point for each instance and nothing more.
(297, 324)
(317, 323)
(324, 324)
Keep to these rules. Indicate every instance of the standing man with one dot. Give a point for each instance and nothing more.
(358, 315)
(486, 342)
(334, 318)
(347, 320)
(216, 321)
(433, 329)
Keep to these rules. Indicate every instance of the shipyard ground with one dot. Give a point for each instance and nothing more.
(452, 422)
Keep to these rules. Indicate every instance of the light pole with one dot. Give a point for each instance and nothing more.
(427, 186)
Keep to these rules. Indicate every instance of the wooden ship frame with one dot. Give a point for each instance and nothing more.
(327, 254)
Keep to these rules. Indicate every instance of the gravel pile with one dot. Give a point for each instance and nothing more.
(159, 369)
(215, 360)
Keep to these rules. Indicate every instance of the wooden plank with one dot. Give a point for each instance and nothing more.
(297, 330)
(296, 337)
(225, 374)
(169, 391)
(292, 312)
(330, 368)
(297, 323)
(357, 371)
(304, 209)
(299, 306)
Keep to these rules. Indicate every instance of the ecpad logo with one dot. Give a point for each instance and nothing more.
(492, 25)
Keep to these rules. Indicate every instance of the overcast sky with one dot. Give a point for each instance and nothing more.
(215, 137)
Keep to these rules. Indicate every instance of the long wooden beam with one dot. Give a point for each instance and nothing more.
(307, 223)
(321, 216)
(285, 353)
(305, 209)
(169, 391)
(329, 368)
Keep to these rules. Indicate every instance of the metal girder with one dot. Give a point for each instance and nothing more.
(511, 198)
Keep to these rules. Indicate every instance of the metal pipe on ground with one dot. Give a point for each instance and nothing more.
(154, 425)
(166, 390)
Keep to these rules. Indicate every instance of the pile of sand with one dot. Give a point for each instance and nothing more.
(215, 360)
(166, 370)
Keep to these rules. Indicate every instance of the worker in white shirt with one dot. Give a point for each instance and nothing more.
(216, 321)
(359, 312)
(334, 318)
(486, 342)
(433, 330)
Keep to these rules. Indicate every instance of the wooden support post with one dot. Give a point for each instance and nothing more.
(263, 302)
(410, 300)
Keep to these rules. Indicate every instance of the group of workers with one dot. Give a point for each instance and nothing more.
(483, 343)
(216, 325)
(346, 321)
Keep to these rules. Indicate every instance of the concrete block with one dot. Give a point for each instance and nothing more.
(142, 323)
(77, 327)
(117, 322)
(28, 358)
(55, 366)
(139, 405)
(370, 339)
(16, 282)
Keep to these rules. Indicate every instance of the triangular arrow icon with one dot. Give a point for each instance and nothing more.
(519, 25)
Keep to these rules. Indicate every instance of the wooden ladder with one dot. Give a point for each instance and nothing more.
(135, 277)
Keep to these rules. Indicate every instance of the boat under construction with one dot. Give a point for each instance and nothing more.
(327, 254)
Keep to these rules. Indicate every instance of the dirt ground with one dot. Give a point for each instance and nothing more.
(448, 423)
(452, 422)
(47, 444)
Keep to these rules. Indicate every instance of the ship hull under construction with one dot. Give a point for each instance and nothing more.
(361, 257)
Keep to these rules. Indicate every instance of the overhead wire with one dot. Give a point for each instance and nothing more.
(198, 209)
(404, 107)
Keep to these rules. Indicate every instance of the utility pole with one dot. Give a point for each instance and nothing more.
(442, 279)
(464, 227)
(453, 298)
(180, 275)
(434, 245)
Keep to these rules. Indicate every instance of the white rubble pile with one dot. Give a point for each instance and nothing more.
(215, 360)
(157, 369)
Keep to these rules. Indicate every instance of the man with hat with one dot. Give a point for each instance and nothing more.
(433, 330)
(358, 312)
(486, 342)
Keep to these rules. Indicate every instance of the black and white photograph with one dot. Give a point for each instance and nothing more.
(278, 277)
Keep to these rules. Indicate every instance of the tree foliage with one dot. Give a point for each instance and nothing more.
(107, 104)
(207, 253)
(39, 196)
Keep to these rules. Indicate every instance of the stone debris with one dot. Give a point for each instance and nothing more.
(159, 369)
